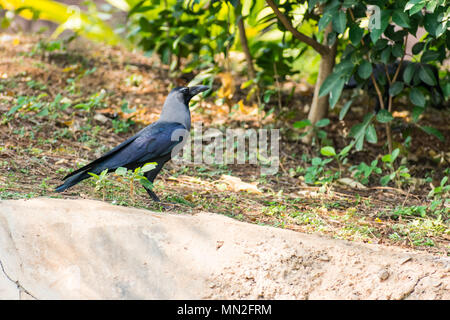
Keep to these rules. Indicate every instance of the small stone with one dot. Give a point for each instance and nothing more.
(101, 118)
(219, 245)
(324, 257)
(405, 260)
(383, 274)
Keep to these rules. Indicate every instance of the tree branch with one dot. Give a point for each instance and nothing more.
(320, 48)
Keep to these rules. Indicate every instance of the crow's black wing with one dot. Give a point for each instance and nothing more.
(153, 141)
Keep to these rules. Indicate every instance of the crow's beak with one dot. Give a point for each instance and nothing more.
(197, 89)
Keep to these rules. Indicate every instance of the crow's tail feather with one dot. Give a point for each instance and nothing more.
(73, 180)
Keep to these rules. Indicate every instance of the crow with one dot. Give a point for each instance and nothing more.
(154, 143)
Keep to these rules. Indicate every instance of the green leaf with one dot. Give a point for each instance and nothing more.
(358, 131)
(302, 124)
(397, 50)
(431, 5)
(386, 55)
(335, 93)
(400, 18)
(322, 123)
(434, 25)
(365, 69)
(416, 112)
(396, 88)
(384, 116)
(371, 134)
(328, 151)
(14, 109)
(125, 109)
(395, 154)
(444, 181)
(375, 33)
(346, 150)
(429, 56)
(355, 34)
(433, 131)
(387, 158)
(340, 22)
(325, 20)
(331, 81)
(247, 83)
(414, 6)
(408, 74)
(418, 47)
(267, 95)
(426, 75)
(146, 183)
(93, 175)
(385, 180)
(44, 112)
(417, 98)
(103, 173)
(345, 109)
(121, 171)
(316, 161)
(148, 167)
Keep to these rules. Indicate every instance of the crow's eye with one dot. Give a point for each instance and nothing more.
(185, 90)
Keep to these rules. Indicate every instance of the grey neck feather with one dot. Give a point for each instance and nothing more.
(175, 110)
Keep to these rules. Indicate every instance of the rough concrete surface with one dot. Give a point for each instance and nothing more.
(84, 249)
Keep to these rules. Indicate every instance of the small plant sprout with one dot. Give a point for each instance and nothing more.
(340, 157)
(100, 182)
(400, 175)
(363, 171)
(315, 129)
(441, 191)
(136, 175)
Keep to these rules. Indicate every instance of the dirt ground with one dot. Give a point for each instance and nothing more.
(37, 151)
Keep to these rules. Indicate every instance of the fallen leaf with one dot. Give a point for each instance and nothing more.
(227, 89)
(352, 183)
(236, 184)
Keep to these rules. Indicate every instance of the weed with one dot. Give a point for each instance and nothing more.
(134, 80)
(400, 175)
(101, 182)
(363, 172)
(95, 101)
(318, 174)
(441, 191)
(136, 175)
(122, 126)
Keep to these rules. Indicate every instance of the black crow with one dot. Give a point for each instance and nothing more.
(154, 143)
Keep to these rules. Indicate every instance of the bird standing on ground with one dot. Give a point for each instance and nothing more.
(154, 143)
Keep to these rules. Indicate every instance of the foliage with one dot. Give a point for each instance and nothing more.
(136, 175)
(26, 107)
(315, 128)
(101, 182)
(318, 174)
(400, 175)
(363, 171)
(68, 17)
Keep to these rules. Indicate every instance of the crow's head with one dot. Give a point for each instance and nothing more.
(185, 94)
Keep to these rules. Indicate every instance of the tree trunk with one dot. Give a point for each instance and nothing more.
(319, 106)
(244, 44)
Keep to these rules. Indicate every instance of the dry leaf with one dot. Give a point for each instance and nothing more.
(352, 183)
(249, 110)
(236, 184)
(227, 89)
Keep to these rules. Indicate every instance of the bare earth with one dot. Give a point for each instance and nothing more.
(85, 249)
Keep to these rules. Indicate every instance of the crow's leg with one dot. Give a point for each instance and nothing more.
(152, 195)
